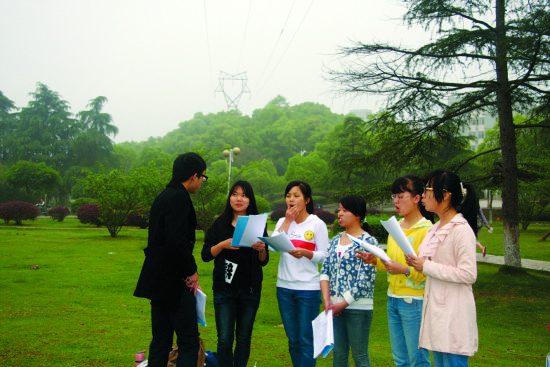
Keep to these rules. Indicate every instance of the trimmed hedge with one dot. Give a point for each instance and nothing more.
(77, 203)
(88, 213)
(58, 213)
(324, 215)
(18, 211)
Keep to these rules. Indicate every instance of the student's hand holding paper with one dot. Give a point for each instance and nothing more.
(395, 267)
(367, 257)
(301, 252)
(259, 246)
(417, 262)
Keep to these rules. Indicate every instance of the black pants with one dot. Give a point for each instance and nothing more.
(183, 321)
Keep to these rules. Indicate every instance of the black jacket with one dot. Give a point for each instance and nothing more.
(248, 275)
(169, 253)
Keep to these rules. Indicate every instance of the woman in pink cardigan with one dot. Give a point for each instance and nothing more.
(447, 257)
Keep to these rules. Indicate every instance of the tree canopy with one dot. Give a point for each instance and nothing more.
(485, 55)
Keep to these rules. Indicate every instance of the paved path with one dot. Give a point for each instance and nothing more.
(525, 263)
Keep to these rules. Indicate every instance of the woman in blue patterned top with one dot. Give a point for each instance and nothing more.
(347, 285)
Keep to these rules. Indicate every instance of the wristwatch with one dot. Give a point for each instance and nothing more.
(408, 272)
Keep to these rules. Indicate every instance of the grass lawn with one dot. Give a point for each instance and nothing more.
(77, 309)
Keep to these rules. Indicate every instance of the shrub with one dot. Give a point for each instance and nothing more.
(263, 205)
(324, 215)
(77, 203)
(88, 213)
(373, 211)
(378, 230)
(18, 211)
(58, 213)
(140, 219)
(279, 205)
(277, 214)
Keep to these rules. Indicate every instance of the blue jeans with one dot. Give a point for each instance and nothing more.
(183, 321)
(404, 321)
(449, 360)
(352, 328)
(298, 309)
(235, 315)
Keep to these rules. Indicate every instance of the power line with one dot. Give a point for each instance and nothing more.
(276, 43)
(287, 48)
(244, 34)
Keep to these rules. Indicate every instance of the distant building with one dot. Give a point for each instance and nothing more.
(362, 114)
(477, 128)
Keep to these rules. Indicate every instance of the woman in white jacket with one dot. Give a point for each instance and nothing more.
(447, 257)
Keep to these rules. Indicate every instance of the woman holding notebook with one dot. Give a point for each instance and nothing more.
(237, 277)
(298, 289)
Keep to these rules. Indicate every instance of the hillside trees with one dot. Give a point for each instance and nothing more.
(491, 55)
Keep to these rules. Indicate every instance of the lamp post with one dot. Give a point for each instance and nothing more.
(228, 154)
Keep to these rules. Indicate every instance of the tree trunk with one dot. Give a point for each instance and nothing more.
(545, 236)
(510, 208)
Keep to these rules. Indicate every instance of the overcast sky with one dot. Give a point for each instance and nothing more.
(159, 62)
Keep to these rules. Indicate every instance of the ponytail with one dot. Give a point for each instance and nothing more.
(470, 206)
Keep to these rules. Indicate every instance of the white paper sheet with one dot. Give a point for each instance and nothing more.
(377, 251)
(200, 297)
(323, 334)
(279, 242)
(395, 230)
(247, 229)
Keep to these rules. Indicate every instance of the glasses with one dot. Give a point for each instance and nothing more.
(205, 178)
(399, 197)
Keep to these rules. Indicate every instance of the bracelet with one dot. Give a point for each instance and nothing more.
(408, 272)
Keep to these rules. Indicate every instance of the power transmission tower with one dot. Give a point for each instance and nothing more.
(232, 85)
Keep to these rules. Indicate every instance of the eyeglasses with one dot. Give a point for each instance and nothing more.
(399, 197)
(205, 178)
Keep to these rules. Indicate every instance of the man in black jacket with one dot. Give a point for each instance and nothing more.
(169, 275)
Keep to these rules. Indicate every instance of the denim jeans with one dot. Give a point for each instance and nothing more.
(404, 321)
(352, 329)
(235, 315)
(449, 360)
(298, 309)
(183, 321)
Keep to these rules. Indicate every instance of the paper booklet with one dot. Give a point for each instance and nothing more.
(201, 307)
(279, 242)
(323, 334)
(248, 229)
(377, 251)
(395, 230)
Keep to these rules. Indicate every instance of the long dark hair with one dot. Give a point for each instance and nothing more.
(358, 207)
(252, 209)
(415, 186)
(306, 191)
(444, 180)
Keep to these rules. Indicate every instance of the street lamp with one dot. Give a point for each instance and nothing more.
(228, 154)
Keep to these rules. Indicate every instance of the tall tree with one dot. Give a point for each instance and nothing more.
(491, 55)
(95, 119)
(44, 130)
(7, 124)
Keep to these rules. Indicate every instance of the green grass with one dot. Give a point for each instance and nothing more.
(529, 241)
(77, 309)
